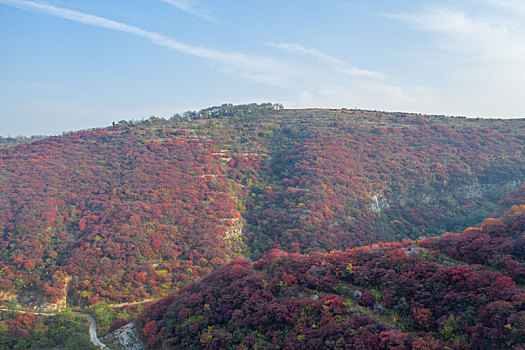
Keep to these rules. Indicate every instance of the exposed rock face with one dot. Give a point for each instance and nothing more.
(31, 300)
(61, 304)
(125, 338)
(378, 203)
(235, 230)
(6, 296)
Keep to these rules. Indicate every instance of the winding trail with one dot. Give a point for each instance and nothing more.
(30, 312)
(92, 330)
(132, 303)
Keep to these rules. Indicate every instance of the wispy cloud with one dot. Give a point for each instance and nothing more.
(371, 95)
(248, 65)
(327, 84)
(324, 83)
(480, 36)
(336, 63)
(483, 52)
(516, 6)
(193, 8)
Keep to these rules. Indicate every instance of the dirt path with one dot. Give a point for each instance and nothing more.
(92, 330)
(30, 312)
(132, 303)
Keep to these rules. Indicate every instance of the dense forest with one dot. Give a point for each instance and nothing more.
(29, 331)
(120, 218)
(140, 210)
(406, 295)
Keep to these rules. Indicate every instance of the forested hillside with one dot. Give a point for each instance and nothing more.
(406, 295)
(116, 216)
(516, 197)
(139, 210)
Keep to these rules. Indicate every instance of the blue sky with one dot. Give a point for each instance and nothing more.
(68, 65)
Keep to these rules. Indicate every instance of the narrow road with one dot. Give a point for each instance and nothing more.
(30, 312)
(93, 324)
(132, 303)
(92, 330)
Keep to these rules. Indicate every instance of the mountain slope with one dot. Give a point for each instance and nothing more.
(346, 185)
(386, 296)
(123, 217)
(138, 210)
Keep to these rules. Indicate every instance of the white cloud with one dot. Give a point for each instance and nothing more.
(328, 85)
(481, 61)
(335, 83)
(485, 36)
(192, 7)
(336, 63)
(481, 57)
(516, 6)
(373, 95)
(248, 65)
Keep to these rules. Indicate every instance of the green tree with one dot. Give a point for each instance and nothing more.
(104, 315)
